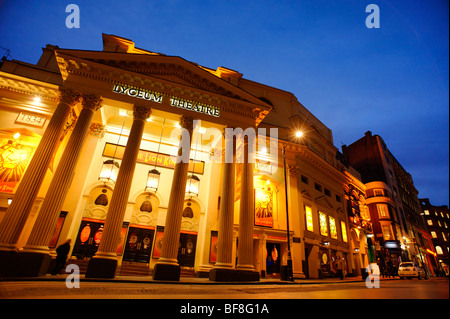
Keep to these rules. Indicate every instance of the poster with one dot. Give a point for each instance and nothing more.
(264, 208)
(16, 151)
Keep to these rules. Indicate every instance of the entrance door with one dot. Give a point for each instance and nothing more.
(139, 245)
(186, 250)
(88, 239)
(273, 259)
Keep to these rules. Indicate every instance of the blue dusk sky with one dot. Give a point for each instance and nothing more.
(392, 80)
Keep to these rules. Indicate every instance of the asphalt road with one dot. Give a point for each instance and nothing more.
(434, 288)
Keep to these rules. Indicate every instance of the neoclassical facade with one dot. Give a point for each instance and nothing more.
(126, 152)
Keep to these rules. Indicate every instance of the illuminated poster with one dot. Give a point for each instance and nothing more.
(15, 154)
(264, 206)
(158, 242)
(213, 247)
(323, 224)
(333, 231)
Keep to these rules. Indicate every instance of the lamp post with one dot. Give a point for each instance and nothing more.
(289, 275)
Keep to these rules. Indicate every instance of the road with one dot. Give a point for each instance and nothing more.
(434, 288)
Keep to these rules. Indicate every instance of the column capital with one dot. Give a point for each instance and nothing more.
(293, 169)
(141, 112)
(69, 96)
(92, 101)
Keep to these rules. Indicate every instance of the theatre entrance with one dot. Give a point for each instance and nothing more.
(186, 250)
(273, 260)
(88, 239)
(139, 245)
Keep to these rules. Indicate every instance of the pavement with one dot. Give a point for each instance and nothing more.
(194, 280)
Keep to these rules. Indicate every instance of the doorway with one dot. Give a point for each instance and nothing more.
(186, 250)
(273, 259)
(139, 245)
(88, 239)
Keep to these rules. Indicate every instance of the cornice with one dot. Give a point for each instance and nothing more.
(312, 158)
(28, 87)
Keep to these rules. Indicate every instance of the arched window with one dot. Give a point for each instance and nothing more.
(439, 250)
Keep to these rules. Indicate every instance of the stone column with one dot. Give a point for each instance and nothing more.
(36, 249)
(104, 263)
(246, 216)
(16, 216)
(167, 267)
(223, 267)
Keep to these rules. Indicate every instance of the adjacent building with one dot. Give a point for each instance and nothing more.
(437, 220)
(399, 231)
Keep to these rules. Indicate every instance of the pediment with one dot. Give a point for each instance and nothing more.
(325, 202)
(173, 69)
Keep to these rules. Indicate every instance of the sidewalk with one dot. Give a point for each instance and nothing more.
(195, 281)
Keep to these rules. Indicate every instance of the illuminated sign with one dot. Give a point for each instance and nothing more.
(144, 94)
(137, 93)
(431, 252)
(196, 107)
(391, 244)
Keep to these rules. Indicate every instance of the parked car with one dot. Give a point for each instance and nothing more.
(411, 270)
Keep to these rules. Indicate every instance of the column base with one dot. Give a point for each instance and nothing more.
(33, 264)
(8, 263)
(101, 268)
(166, 272)
(223, 274)
(23, 264)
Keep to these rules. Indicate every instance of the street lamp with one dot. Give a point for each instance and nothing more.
(289, 275)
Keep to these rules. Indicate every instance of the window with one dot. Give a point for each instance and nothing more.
(318, 187)
(430, 222)
(305, 179)
(344, 231)
(439, 250)
(386, 229)
(327, 192)
(378, 192)
(338, 198)
(383, 211)
(445, 237)
(323, 224)
(433, 234)
(333, 231)
(309, 218)
(427, 212)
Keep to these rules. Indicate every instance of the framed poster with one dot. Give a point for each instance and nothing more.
(264, 207)
(57, 231)
(16, 151)
(213, 246)
(158, 242)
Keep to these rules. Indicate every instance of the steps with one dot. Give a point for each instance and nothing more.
(134, 269)
(128, 268)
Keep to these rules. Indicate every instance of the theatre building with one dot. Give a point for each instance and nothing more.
(127, 153)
